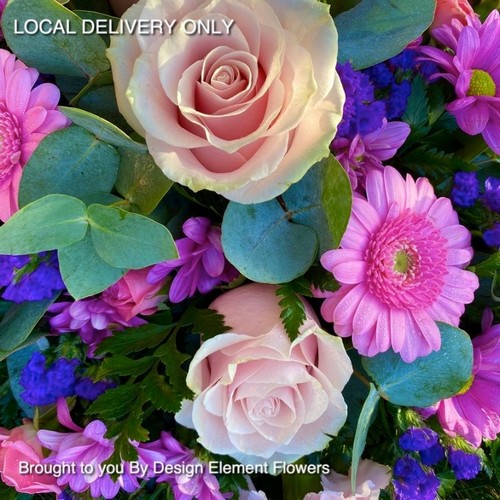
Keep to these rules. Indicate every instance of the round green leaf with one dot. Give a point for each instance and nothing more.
(376, 30)
(84, 273)
(70, 161)
(427, 380)
(54, 221)
(126, 240)
(264, 245)
(55, 53)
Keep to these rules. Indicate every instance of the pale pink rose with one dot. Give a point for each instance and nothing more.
(133, 295)
(446, 10)
(370, 479)
(244, 113)
(21, 445)
(259, 397)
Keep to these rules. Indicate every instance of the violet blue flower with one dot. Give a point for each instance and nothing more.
(491, 196)
(201, 264)
(492, 236)
(470, 63)
(465, 192)
(412, 482)
(464, 465)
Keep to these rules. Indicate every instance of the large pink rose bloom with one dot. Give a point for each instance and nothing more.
(400, 267)
(446, 10)
(259, 397)
(475, 412)
(22, 445)
(245, 113)
(27, 115)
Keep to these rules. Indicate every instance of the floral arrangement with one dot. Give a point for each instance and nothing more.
(250, 249)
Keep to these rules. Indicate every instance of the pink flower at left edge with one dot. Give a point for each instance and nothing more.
(3, 3)
(474, 413)
(27, 115)
(22, 445)
(400, 267)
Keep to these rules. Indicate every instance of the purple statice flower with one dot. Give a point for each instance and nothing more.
(93, 318)
(397, 99)
(86, 388)
(196, 481)
(412, 482)
(30, 277)
(492, 236)
(469, 61)
(362, 114)
(432, 455)
(44, 385)
(418, 439)
(362, 154)
(201, 264)
(465, 192)
(491, 196)
(464, 465)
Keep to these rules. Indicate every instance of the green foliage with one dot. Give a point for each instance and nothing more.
(140, 181)
(70, 161)
(293, 313)
(376, 30)
(206, 322)
(140, 240)
(54, 221)
(277, 241)
(365, 419)
(417, 109)
(18, 323)
(426, 380)
(116, 402)
(119, 365)
(74, 55)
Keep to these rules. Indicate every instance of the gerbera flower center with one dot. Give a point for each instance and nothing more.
(10, 142)
(407, 262)
(481, 83)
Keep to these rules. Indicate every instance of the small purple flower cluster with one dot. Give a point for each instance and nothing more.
(414, 481)
(44, 384)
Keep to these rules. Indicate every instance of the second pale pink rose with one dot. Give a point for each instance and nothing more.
(258, 396)
(446, 10)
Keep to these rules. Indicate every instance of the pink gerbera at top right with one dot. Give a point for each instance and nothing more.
(471, 62)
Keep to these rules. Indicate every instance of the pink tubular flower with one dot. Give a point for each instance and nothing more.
(27, 115)
(400, 267)
(133, 295)
(3, 3)
(371, 478)
(475, 413)
(22, 444)
(201, 264)
(447, 10)
(472, 65)
(363, 154)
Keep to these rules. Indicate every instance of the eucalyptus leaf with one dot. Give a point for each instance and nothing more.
(322, 200)
(376, 30)
(126, 240)
(55, 53)
(427, 380)
(94, 16)
(264, 245)
(54, 221)
(84, 273)
(19, 321)
(70, 161)
(102, 129)
(141, 181)
(365, 419)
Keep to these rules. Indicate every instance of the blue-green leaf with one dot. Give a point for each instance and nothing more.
(54, 221)
(376, 30)
(55, 53)
(426, 380)
(264, 245)
(70, 161)
(130, 241)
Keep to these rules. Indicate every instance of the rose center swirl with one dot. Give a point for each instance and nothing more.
(406, 261)
(10, 142)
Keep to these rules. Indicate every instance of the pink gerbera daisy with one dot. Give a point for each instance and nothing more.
(471, 62)
(400, 267)
(27, 115)
(474, 413)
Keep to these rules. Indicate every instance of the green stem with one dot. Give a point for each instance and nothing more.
(361, 377)
(474, 147)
